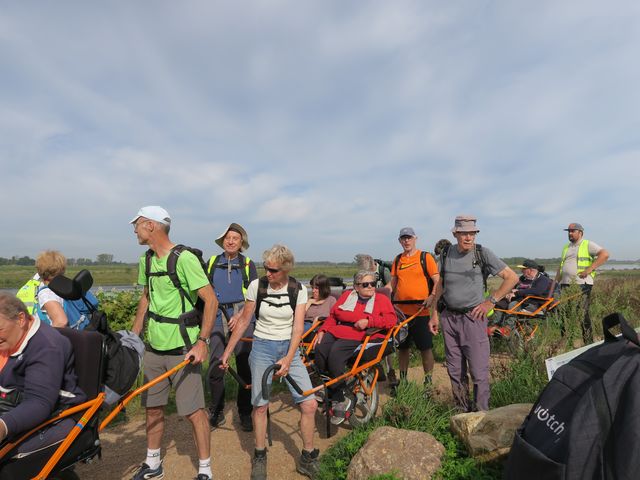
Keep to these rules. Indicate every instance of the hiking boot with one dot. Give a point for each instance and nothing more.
(216, 420)
(391, 377)
(339, 411)
(259, 467)
(145, 472)
(308, 464)
(428, 388)
(246, 424)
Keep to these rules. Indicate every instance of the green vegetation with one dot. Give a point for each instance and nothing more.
(409, 410)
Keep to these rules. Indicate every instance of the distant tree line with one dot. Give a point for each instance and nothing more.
(101, 259)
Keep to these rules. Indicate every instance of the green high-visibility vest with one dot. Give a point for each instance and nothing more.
(28, 294)
(584, 258)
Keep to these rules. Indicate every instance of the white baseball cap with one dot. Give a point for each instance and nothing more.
(155, 213)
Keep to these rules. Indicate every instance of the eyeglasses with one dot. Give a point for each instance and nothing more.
(271, 270)
(366, 284)
(138, 224)
(405, 238)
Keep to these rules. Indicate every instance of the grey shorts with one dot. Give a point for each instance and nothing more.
(187, 383)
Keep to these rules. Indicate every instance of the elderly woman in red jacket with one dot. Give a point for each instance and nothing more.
(344, 330)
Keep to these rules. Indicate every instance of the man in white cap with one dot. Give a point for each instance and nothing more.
(463, 271)
(230, 274)
(580, 258)
(173, 334)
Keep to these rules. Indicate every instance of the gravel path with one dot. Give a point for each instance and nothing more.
(124, 446)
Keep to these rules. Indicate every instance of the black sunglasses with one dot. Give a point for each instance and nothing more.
(366, 284)
(271, 270)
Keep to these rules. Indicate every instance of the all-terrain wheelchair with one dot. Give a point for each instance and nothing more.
(82, 443)
(363, 370)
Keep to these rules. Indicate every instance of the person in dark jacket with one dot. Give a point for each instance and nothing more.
(36, 376)
(532, 282)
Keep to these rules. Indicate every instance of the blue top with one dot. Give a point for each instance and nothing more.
(228, 282)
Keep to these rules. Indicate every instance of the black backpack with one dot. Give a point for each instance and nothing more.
(585, 423)
(293, 287)
(191, 317)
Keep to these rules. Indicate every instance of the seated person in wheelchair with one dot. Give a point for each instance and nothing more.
(533, 282)
(345, 329)
(320, 302)
(37, 377)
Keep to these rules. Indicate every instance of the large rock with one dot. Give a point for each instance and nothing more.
(488, 435)
(407, 453)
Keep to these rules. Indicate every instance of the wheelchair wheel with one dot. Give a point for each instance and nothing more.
(365, 405)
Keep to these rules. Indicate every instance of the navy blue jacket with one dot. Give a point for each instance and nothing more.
(42, 369)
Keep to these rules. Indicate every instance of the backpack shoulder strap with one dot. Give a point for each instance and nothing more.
(147, 264)
(293, 288)
(479, 257)
(213, 261)
(263, 284)
(443, 260)
(396, 263)
(423, 263)
(244, 266)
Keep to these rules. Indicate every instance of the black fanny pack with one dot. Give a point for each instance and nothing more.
(9, 400)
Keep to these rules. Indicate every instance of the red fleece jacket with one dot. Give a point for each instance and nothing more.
(383, 316)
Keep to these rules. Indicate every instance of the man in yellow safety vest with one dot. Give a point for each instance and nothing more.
(580, 259)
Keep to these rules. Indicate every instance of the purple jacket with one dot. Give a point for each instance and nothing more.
(42, 369)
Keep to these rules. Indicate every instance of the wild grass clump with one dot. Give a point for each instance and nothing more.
(411, 411)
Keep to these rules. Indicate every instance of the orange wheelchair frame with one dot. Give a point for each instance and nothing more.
(523, 329)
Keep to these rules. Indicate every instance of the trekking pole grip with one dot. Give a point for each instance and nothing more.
(266, 391)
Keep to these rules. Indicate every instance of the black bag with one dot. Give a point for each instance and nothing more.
(586, 422)
(122, 364)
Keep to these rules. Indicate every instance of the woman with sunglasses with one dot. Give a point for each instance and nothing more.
(321, 301)
(345, 328)
(275, 340)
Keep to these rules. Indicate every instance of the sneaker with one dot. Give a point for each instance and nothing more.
(259, 467)
(340, 411)
(145, 472)
(246, 424)
(202, 476)
(308, 464)
(216, 420)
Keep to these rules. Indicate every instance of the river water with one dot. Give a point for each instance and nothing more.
(118, 288)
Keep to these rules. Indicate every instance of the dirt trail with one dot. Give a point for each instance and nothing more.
(124, 446)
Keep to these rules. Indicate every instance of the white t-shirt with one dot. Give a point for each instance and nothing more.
(570, 266)
(275, 322)
(45, 295)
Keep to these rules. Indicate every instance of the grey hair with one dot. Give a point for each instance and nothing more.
(365, 262)
(11, 306)
(280, 255)
(358, 277)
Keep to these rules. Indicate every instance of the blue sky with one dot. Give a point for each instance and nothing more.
(323, 125)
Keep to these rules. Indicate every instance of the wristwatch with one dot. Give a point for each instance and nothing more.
(205, 340)
(493, 299)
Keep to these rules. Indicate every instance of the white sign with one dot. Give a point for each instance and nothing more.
(556, 362)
